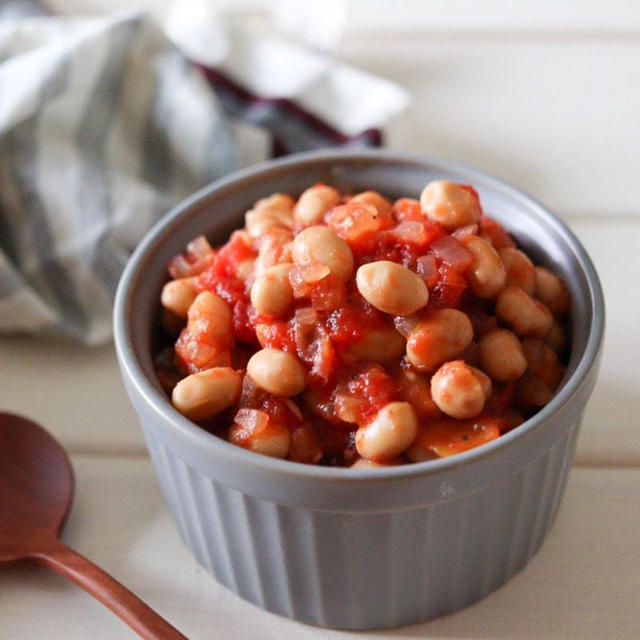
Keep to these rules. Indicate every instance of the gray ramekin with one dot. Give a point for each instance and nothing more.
(368, 548)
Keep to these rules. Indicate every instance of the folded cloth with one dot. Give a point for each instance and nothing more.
(105, 124)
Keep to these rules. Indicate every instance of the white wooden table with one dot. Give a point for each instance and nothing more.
(543, 96)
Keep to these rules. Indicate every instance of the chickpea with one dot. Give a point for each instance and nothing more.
(501, 355)
(271, 292)
(204, 394)
(314, 202)
(382, 205)
(445, 334)
(487, 275)
(526, 315)
(459, 390)
(257, 431)
(210, 315)
(391, 431)
(177, 296)
(377, 345)
(269, 213)
(392, 288)
(552, 291)
(277, 372)
(450, 204)
(520, 270)
(319, 244)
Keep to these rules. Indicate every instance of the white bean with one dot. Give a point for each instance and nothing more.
(445, 334)
(376, 345)
(257, 431)
(502, 356)
(391, 431)
(526, 315)
(551, 291)
(520, 270)
(177, 296)
(204, 394)
(210, 315)
(320, 244)
(314, 202)
(271, 292)
(392, 288)
(459, 390)
(449, 204)
(487, 275)
(277, 372)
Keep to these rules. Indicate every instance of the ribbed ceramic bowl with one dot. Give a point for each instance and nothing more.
(359, 549)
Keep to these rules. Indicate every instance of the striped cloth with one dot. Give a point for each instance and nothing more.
(104, 125)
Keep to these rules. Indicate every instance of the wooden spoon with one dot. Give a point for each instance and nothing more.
(36, 490)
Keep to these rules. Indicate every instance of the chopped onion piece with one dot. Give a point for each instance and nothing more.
(449, 250)
(463, 232)
(427, 269)
(251, 419)
(406, 324)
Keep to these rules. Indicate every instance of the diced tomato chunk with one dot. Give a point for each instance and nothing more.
(449, 288)
(494, 231)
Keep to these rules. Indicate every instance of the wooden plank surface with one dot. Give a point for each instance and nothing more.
(585, 579)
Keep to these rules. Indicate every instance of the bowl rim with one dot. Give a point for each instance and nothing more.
(188, 430)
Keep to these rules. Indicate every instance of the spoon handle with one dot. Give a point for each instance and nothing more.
(127, 606)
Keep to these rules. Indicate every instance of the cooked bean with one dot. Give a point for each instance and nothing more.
(459, 390)
(450, 204)
(204, 394)
(520, 270)
(532, 393)
(314, 202)
(443, 335)
(377, 345)
(501, 355)
(276, 211)
(177, 296)
(271, 292)
(319, 244)
(257, 431)
(392, 288)
(487, 275)
(526, 315)
(277, 372)
(374, 198)
(389, 433)
(552, 291)
(304, 445)
(543, 362)
(210, 315)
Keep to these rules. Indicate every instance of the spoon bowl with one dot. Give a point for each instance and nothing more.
(36, 491)
(36, 488)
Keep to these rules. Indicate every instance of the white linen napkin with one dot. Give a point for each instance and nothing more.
(105, 124)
